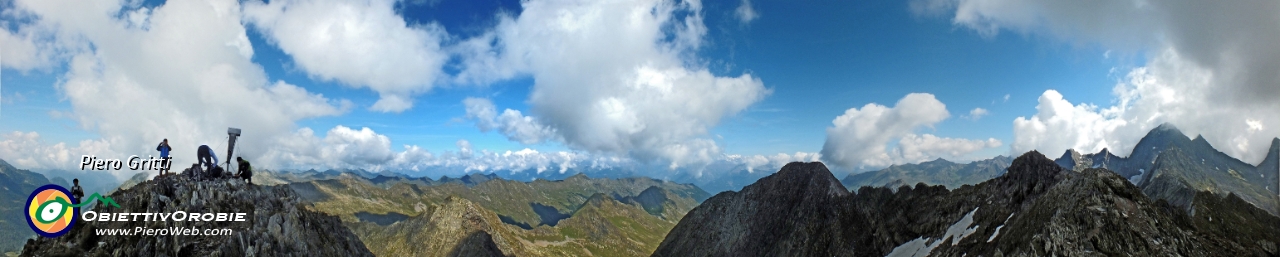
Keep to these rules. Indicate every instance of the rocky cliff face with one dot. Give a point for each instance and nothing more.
(1037, 208)
(1168, 165)
(1271, 164)
(278, 223)
(790, 213)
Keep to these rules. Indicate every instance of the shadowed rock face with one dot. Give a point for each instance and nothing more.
(787, 213)
(1036, 208)
(277, 224)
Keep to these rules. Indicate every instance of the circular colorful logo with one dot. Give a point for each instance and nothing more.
(51, 211)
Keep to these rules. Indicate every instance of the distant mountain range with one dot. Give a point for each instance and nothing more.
(1168, 165)
(15, 186)
(936, 172)
(717, 177)
(1037, 208)
(1165, 164)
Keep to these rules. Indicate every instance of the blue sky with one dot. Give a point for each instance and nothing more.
(805, 64)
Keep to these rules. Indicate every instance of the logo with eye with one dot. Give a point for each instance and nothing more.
(51, 211)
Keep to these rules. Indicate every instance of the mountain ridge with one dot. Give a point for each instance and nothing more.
(937, 172)
(276, 219)
(1195, 166)
(1018, 213)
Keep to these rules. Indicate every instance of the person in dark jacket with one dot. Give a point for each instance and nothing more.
(76, 191)
(206, 157)
(246, 171)
(164, 154)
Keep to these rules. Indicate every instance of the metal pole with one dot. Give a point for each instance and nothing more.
(232, 134)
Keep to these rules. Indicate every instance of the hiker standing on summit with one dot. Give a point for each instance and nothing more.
(164, 154)
(76, 191)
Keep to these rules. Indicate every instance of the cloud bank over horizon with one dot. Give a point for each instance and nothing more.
(1210, 70)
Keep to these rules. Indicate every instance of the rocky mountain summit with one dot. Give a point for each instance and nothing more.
(277, 223)
(1166, 164)
(1037, 208)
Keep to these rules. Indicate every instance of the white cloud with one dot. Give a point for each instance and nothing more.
(859, 137)
(359, 43)
(620, 89)
(511, 123)
(918, 148)
(976, 114)
(26, 150)
(34, 45)
(1166, 91)
(20, 51)
(1006, 97)
(1059, 126)
(1211, 67)
(185, 73)
(771, 163)
(343, 147)
(745, 13)
(464, 148)
(614, 77)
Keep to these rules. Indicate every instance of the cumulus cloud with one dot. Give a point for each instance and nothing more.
(359, 43)
(510, 123)
(1211, 68)
(976, 114)
(184, 86)
(1059, 125)
(22, 50)
(343, 147)
(629, 86)
(745, 13)
(28, 150)
(918, 148)
(860, 137)
(1147, 98)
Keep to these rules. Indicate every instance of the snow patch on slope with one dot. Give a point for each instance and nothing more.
(997, 233)
(1135, 179)
(921, 247)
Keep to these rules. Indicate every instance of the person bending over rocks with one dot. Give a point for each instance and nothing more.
(246, 171)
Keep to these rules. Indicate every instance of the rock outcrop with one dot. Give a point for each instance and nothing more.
(790, 213)
(277, 223)
(1037, 208)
